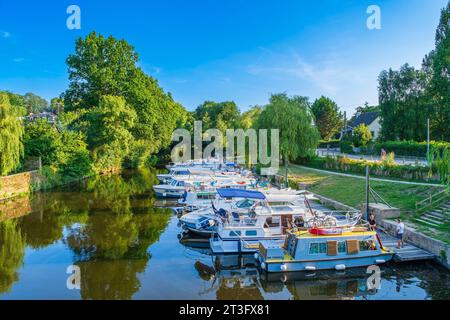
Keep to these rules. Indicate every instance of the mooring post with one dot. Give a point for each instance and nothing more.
(367, 193)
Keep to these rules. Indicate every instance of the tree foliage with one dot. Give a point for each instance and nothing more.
(249, 117)
(34, 103)
(11, 132)
(108, 130)
(409, 97)
(328, 117)
(293, 117)
(403, 103)
(218, 115)
(361, 135)
(439, 87)
(108, 67)
(64, 151)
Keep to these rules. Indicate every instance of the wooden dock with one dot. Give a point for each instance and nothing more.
(408, 253)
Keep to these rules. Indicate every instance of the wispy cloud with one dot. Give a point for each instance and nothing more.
(18, 60)
(325, 74)
(5, 34)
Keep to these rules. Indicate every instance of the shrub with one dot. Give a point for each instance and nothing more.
(376, 168)
(361, 135)
(409, 148)
(346, 146)
(323, 144)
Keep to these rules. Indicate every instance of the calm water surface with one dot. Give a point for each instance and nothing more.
(127, 248)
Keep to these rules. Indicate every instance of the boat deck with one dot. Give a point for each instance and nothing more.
(408, 253)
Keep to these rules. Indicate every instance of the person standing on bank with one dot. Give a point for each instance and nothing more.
(372, 222)
(400, 230)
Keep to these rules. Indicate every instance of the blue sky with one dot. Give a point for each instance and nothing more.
(225, 50)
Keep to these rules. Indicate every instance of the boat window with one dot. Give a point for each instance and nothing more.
(180, 184)
(273, 222)
(245, 203)
(250, 233)
(235, 233)
(342, 246)
(318, 247)
(208, 196)
(366, 245)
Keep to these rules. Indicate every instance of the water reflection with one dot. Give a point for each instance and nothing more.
(12, 252)
(237, 277)
(128, 248)
(108, 223)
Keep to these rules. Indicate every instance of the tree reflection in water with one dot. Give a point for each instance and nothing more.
(12, 252)
(108, 222)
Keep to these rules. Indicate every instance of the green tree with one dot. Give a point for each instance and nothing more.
(12, 252)
(404, 105)
(361, 135)
(34, 103)
(293, 117)
(248, 118)
(106, 66)
(108, 129)
(11, 132)
(329, 119)
(65, 151)
(41, 139)
(440, 82)
(17, 101)
(219, 115)
(57, 105)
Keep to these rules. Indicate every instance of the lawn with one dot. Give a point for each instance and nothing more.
(351, 191)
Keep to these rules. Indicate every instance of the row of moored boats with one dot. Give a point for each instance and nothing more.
(283, 228)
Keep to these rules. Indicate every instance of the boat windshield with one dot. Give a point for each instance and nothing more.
(244, 203)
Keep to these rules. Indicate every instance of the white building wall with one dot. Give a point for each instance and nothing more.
(375, 128)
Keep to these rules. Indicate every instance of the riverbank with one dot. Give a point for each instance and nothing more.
(72, 225)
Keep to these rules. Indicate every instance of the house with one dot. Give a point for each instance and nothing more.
(370, 119)
(43, 115)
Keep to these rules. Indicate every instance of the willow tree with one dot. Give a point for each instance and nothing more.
(11, 132)
(293, 117)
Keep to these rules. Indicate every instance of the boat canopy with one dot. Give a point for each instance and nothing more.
(240, 193)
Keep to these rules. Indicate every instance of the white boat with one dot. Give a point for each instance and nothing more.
(240, 203)
(175, 188)
(210, 163)
(186, 173)
(236, 233)
(195, 200)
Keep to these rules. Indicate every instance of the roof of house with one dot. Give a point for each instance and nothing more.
(365, 118)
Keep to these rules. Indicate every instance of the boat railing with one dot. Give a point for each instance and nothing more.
(335, 218)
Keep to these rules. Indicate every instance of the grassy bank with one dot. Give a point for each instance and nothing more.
(351, 191)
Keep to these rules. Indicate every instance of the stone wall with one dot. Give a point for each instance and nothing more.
(14, 208)
(437, 247)
(382, 211)
(17, 184)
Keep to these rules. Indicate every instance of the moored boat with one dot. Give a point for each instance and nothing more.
(309, 251)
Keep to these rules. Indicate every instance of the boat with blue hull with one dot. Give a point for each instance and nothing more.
(323, 249)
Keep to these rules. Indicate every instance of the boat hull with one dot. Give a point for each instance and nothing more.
(329, 264)
(233, 246)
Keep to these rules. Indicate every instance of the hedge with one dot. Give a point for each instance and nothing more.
(324, 144)
(408, 148)
(378, 168)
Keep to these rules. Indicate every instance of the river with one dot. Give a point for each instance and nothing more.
(111, 230)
